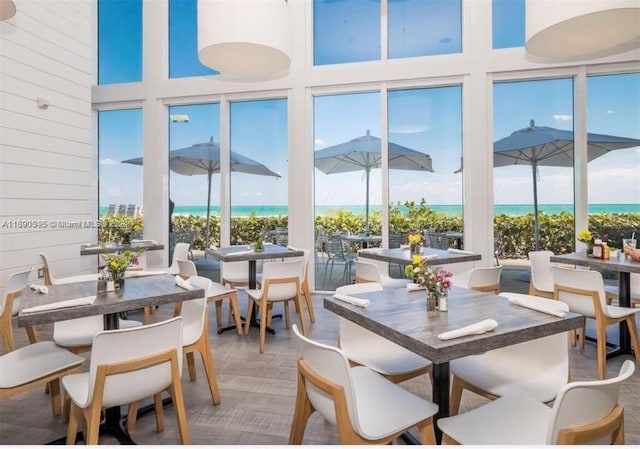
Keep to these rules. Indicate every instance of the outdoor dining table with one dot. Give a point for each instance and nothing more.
(363, 239)
(624, 266)
(404, 257)
(147, 245)
(137, 293)
(401, 316)
(239, 253)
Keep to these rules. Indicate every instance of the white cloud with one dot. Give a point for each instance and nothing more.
(562, 117)
(319, 142)
(108, 161)
(609, 112)
(409, 129)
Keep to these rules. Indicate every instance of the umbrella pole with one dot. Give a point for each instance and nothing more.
(536, 223)
(366, 204)
(206, 233)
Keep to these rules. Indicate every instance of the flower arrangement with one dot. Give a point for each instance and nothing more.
(117, 264)
(436, 281)
(585, 236)
(414, 238)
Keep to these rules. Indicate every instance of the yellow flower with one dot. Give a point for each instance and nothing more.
(416, 260)
(585, 236)
(415, 238)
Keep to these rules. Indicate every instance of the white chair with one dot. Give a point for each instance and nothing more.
(10, 306)
(281, 283)
(365, 407)
(180, 252)
(50, 279)
(234, 274)
(583, 291)
(304, 280)
(363, 347)
(34, 365)
(613, 292)
(480, 279)
(538, 368)
(541, 282)
(127, 365)
(216, 294)
(377, 271)
(583, 412)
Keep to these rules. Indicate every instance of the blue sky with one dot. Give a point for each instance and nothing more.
(427, 120)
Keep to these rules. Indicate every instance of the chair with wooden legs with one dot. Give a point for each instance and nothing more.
(127, 365)
(480, 279)
(365, 407)
(37, 364)
(10, 307)
(363, 347)
(304, 281)
(583, 291)
(50, 279)
(538, 368)
(216, 294)
(377, 271)
(613, 292)
(234, 274)
(583, 413)
(281, 283)
(541, 282)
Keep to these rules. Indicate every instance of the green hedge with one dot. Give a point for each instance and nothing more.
(514, 233)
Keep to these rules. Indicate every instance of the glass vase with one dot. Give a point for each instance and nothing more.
(432, 301)
(415, 248)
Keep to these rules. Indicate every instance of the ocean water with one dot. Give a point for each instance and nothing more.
(499, 209)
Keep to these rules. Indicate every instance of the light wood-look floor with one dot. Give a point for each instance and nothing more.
(257, 392)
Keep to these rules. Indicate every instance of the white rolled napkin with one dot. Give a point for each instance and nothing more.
(430, 256)
(152, 242)
(412, 286)
(39, 288)
(238, 253)
(544, 305)
(351, 300)
(183, 283)
(405, 246)
(473, 329)
(140, 273)
(86, 301)
(458, 251)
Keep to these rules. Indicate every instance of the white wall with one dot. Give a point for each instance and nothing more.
(47, 176)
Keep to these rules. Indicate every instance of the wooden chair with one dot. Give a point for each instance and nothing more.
(364, 406)
(538, 367)
(10, 307)
(541, 282)
(583, 412)
(34, 365)
(583, 291)
(127, 365)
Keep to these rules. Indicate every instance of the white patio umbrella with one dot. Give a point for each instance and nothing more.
(541, 145)
(204, 159)
(364, 153)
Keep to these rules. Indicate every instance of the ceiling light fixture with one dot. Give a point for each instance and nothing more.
(564, 31)
(7, 9)
(244, 40)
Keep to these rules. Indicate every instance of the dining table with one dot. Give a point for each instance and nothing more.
(146, 245)
(433, 256)
(364, 240)
(240, 253)
(137, 293)
(624, 266)
(401, 316)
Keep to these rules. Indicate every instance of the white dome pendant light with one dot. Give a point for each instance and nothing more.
(244, 40)
(7, 9)
(573, 30)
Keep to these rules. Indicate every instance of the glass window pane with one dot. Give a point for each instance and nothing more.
(259, 181)
(346, 31)
(119, 41)
(508, 23)
(424, 27)
(183, 40)
(346, 127)
(191, 127)
(613, 108)
(428, 121)
(120, 184)
(519, 168)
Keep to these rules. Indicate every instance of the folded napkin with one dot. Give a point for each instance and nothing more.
(405, 246)
(153, 242)
(477, 328)
(544, 305)
(140, 273)
(183, 283)
(458, 251)
(86, 301)
(238, 253)
(351, 300)
(39, 288)
(412, 286)
(430, 256)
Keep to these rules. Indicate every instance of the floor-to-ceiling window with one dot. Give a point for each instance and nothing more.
(119, 41)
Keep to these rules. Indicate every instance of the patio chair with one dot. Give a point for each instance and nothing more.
(480, 279)
(377, 271)
(337, 252)
(437, 240)
(541, 282)
(10, 306)
(613, 292)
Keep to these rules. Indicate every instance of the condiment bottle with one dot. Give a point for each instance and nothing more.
(598, 249)
(607, 251)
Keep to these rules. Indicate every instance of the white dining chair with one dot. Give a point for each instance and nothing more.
(127, 365)
(480, 279)
(541, 282)
(613, 292)
(583, 292)
(234, 274)
(538, 367)
(50, 279)
(363, 347)
(365, 407)
(373, 270)
(10, 306)
(583, 413)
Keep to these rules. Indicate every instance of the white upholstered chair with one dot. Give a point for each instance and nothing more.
(583, 412)
(10, 306)
(34, 365)
(50, 279)
(234, 274)
(538, 368)
(364, 406)
(583, 292)
(280, 283)
(541, 282)
(127, 365)
(363, 347)
(480, 279)
(180, 252)
(373, 270)
(612, 292)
